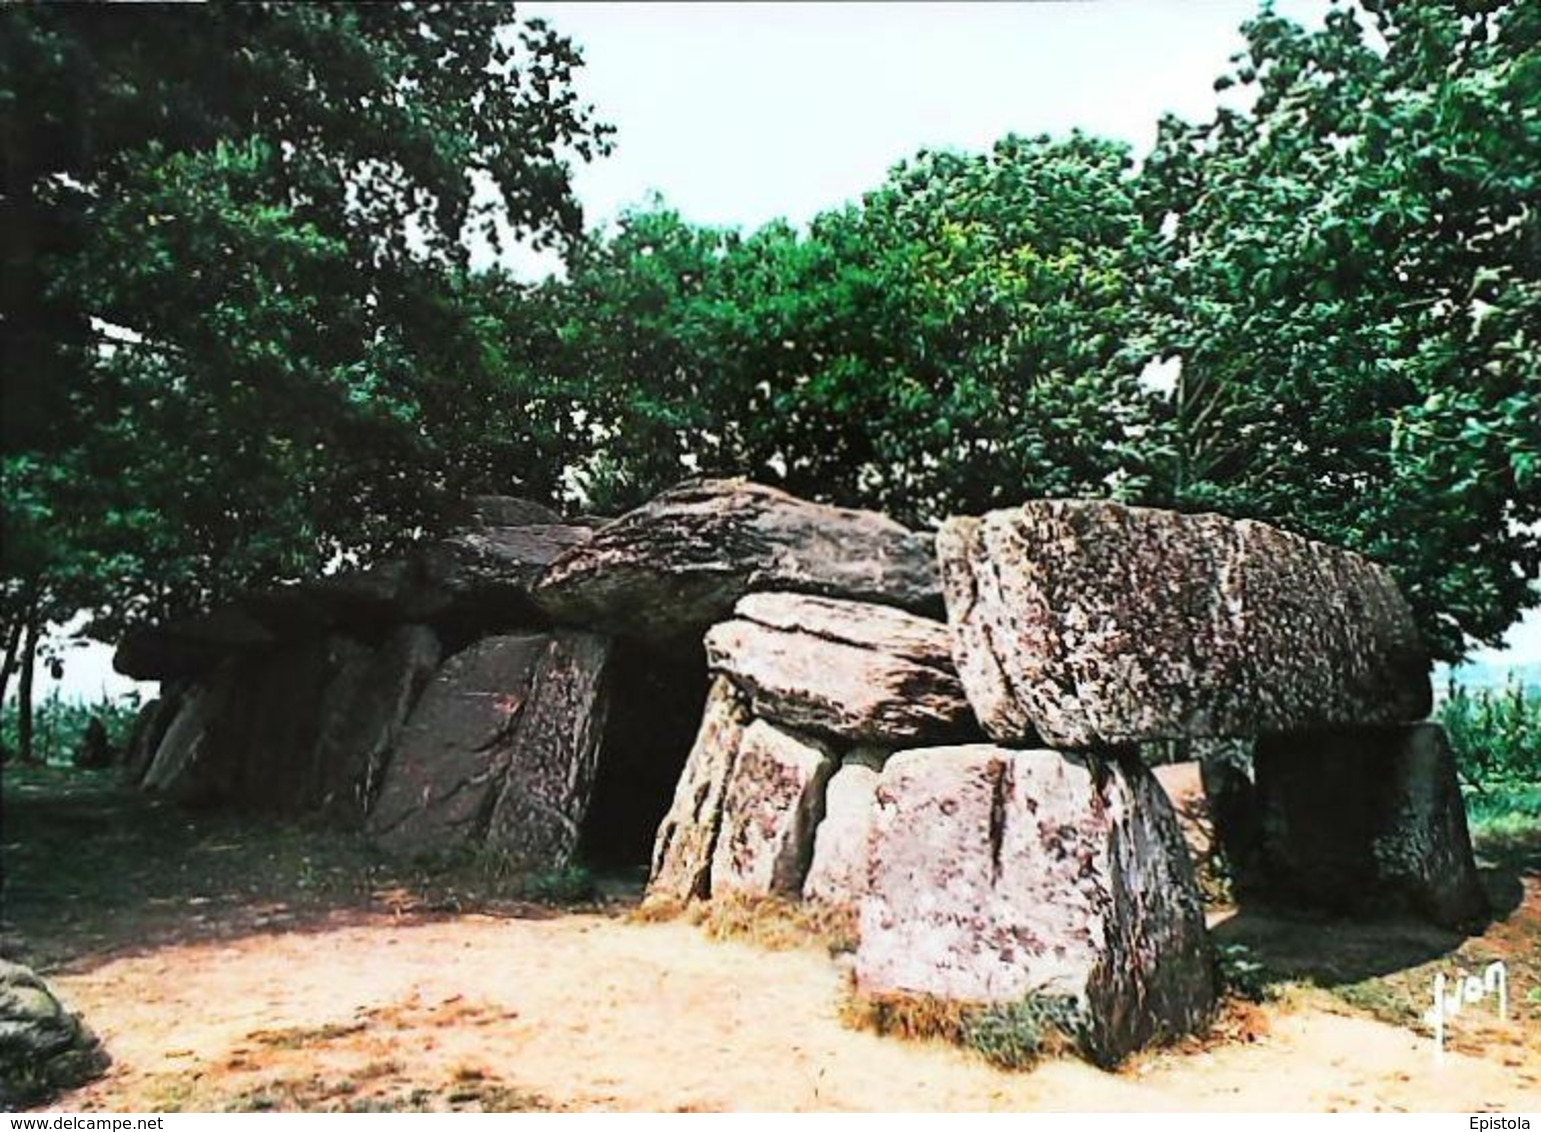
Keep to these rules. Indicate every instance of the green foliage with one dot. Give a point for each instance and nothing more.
(1342, 269)
(1019, 1035)
(1494, 734)
(1239, 973)
(248, 341)
(953, 343)
(241, 335)
(1350, 276)
(60, 725)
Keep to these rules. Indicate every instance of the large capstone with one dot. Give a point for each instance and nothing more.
(1097, 625)
(499, 752)
(998, 876)
(846, 670)
(675, 566)
(1367, 821)
(473, 581)
(43, 1046)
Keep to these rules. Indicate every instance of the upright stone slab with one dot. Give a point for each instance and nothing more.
(362, 717)
(553, 756)
(246, 735)
(675, 566)
(998, 875)
(837, 874)
(1098, 625)
(498, 754)
(189, 741)
(1367, 821)
(845, 670)
(773, 801)
(687, 837)
(444, 778)
(150, 726)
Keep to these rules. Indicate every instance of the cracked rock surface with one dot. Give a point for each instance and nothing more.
(675, 566)
(846, 670)
(499, 751)
(1000, 875)
(1093, 624)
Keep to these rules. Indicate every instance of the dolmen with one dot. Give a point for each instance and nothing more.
(936, 738)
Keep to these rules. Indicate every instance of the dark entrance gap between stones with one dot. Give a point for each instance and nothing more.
(656, 697)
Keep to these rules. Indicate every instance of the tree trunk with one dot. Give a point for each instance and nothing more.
(12, 640)
(24, 689)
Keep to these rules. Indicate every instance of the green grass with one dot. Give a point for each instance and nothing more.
(1503, 811)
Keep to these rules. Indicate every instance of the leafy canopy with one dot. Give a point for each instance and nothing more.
(240, 336)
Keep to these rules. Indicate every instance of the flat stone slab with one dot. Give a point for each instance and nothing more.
(1093, 625)
(687, 836)
(499, 752)
(773, 802)
(843, 669)
(837, 873)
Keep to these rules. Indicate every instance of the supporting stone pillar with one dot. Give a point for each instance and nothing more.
(1367, 820)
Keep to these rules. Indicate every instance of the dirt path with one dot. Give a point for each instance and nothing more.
(585, 1011)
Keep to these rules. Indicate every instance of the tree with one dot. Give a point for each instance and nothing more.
(240, 336)
(955, 342)
(1351, 281)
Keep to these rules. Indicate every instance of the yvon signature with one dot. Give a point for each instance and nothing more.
(1452, 996)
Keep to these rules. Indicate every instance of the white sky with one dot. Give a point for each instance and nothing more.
(740, 113)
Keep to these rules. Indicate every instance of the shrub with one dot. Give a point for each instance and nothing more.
(1238, 973)
(1494, 734)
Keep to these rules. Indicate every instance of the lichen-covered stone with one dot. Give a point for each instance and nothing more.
(1366, 821)
(998, 875)
(553, 756)
(771, 806)
(843, 669)
(1096, 625)
(675, 566)
(837, 874)
(43, 1046)
(687, 836)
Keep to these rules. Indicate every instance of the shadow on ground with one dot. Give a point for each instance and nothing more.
(90, 871)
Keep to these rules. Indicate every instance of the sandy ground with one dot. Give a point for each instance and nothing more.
(594, 1012)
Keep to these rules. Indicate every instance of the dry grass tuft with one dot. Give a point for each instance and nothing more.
(778, 924)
